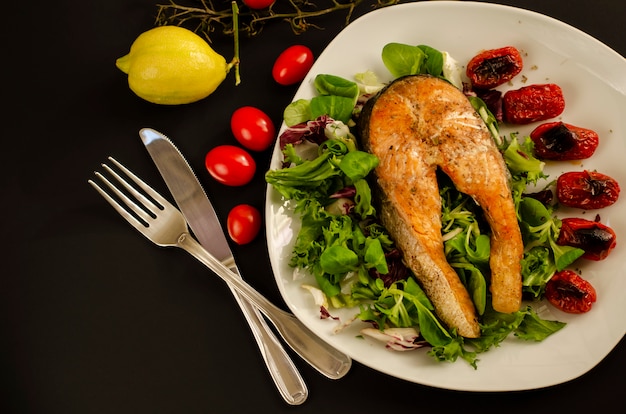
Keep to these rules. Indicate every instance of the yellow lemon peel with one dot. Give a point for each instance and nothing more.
(171, 65)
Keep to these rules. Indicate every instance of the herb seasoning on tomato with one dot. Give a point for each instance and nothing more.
(533, 103)
(494, 67)
(586, 189)
(570, 293)
(595, 238)
(560, 141)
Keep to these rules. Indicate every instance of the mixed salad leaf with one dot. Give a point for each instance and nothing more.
(352, 256)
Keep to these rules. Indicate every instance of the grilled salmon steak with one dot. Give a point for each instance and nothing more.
(419, 124)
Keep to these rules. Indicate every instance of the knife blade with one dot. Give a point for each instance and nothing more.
(204, 223)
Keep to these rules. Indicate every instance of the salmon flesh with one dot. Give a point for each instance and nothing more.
(415, 126)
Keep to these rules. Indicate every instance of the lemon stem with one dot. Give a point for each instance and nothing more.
(235, 61)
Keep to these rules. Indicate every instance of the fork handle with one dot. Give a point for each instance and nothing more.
(320, 355)
(283, 372)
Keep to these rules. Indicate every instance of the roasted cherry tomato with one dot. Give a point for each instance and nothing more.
(560, 141)
(292, 65)
(533, 103)
(596, 239)
(252, 128)
(258, 4)
(494, 67)
(570, 292)
(230, 165)
(243, 223)
(586, 189)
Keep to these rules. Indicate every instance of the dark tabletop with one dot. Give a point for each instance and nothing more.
(96, 319)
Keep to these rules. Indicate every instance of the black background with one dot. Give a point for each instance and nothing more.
(96, 319)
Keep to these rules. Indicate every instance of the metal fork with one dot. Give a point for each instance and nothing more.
(164, 225)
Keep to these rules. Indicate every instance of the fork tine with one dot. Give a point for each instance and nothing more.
(121, 210)
(149, 206)
(145, 187)
(147, 213)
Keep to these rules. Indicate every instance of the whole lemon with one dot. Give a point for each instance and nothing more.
(171, 65)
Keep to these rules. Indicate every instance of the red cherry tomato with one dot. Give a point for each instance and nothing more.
(595, 238)
(494, 67)
(252, 128)
(243, 223)
(533, 103)
(230, 165)
(570, 292)
(586, 189)
(258, 4)
(561, 142)
(292, 65)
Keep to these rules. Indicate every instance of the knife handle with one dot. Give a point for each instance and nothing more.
(319, 354)
(284, 373)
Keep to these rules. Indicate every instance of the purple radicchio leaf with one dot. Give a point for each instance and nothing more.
(346, 192)
(397, 269)
(312, 131)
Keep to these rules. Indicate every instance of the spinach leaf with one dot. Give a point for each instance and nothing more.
(336, 107)
(357, 164)
(336, 85)
(363, 199)
(433, 64)
(375, 255)
(338, 260)
(297, 112)
(401, 59)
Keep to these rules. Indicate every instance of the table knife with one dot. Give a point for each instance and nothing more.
(203, 221)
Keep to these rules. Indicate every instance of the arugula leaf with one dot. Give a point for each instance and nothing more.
(533, 328)
(521, 161)
(452, 351)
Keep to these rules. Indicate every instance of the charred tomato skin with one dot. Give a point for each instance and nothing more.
(559, 141)
(533, 103)
(586, 189)
(596, 239)
(494, 67)
(569, 292)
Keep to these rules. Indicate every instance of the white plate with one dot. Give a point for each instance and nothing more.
(592, 78)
